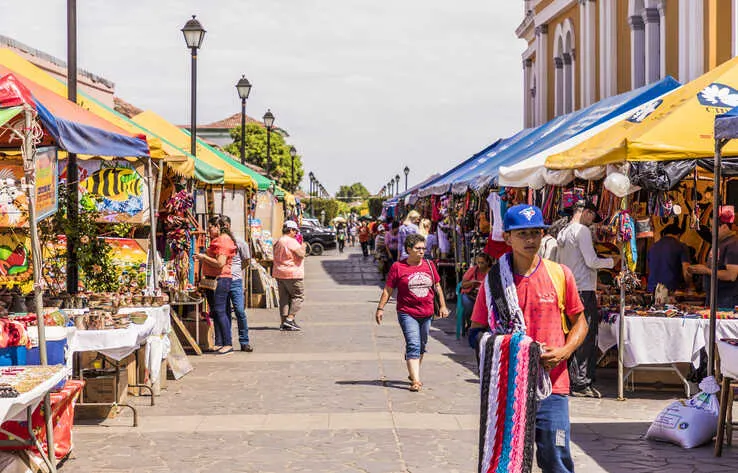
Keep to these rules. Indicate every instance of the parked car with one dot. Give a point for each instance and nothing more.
(318, 239)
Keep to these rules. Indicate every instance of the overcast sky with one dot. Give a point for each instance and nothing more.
(364, 87)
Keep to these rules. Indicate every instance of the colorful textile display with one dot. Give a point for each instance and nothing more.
(509, 367)
(510, 373)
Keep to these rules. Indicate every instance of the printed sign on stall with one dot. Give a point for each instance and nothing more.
(116, 189)
(15, 258)
(46, 183)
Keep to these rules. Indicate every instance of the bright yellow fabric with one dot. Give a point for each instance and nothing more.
(556, 273)
(680, 127)
(19, 65)
(174, 134)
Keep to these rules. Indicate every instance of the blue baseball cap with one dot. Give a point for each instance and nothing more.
(523, 216)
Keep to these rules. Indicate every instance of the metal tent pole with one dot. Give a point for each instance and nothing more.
(714, 255)
(152, 223)
(621, 324)
(29, 168)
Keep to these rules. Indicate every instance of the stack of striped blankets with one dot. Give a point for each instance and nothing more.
(509, 376)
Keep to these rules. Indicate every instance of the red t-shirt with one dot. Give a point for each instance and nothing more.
(414, 286)
(223, 245)
(472, 274)
(540, 304)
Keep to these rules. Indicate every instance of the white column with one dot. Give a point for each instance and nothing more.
(637, 51)
(568, 82)
(588, 56)
(653, 44)
(559, 86)
(608, 48)
(527, 108)
(542, 76)
(662, 38)
(684, 42)
(583, 50)
(697, 40)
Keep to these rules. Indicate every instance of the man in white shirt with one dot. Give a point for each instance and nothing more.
(575, 250)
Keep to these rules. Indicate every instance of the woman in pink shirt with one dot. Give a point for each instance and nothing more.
(289, 271)
(216, 264)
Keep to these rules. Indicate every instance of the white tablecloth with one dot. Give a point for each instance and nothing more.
(728, 359)
(14, 408)
(661, 340)
(119, 343)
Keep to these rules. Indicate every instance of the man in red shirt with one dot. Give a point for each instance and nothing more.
(538, 296)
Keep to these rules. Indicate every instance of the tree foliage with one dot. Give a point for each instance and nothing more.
(256, 153)
(355, 191)
(375, 206)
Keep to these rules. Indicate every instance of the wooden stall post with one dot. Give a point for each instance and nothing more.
(29, 168)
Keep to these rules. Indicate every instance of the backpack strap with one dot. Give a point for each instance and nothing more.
(556, 273)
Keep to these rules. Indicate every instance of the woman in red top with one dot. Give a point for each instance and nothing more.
(470, 283)
(416, 280)
(216, 264)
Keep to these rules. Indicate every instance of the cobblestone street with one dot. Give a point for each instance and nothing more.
(335, 398)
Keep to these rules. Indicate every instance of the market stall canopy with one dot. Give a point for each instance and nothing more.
(576, 128)
(679, 126)
(262, 182)
(67, 125)
(410, 196)
(189, 167)
(175, 135)
(456, 175)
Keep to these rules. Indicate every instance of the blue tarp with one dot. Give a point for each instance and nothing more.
(85, 139)
(443, 184)
(726, 125)
(530, 142)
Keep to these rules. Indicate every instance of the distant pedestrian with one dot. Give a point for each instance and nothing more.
(352, 234)
(364, 236)
(372, 235)
(417, 283)
(341, 236)
(390, 240)
(381, 254)
(289, 271)
(409, 227)
(216, 270)
(235, 297)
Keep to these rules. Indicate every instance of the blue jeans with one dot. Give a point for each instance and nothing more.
(416, 334)
(235, 302)
(221, 320)
(468, 303)
(552, 435)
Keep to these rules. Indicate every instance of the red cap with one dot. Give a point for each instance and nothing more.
(727, 214)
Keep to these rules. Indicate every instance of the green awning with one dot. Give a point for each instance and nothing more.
(6, 114)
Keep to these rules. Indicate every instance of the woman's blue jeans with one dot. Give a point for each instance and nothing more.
(553, 434)
(221, 320)
(235, 302)
(416, 334)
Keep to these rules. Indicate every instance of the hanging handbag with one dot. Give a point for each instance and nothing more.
(436, 303)
(208, 283)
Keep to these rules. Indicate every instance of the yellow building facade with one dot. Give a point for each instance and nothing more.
(581, 51)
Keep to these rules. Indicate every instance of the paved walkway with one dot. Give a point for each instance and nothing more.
(335, 398)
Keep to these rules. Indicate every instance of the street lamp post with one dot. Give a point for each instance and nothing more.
(193, 33)
(269, 123)
(392, 187)
(397, 180)
(243, 86)
(312, 178)
(72, 172)
(406, 171)
(293, 153)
